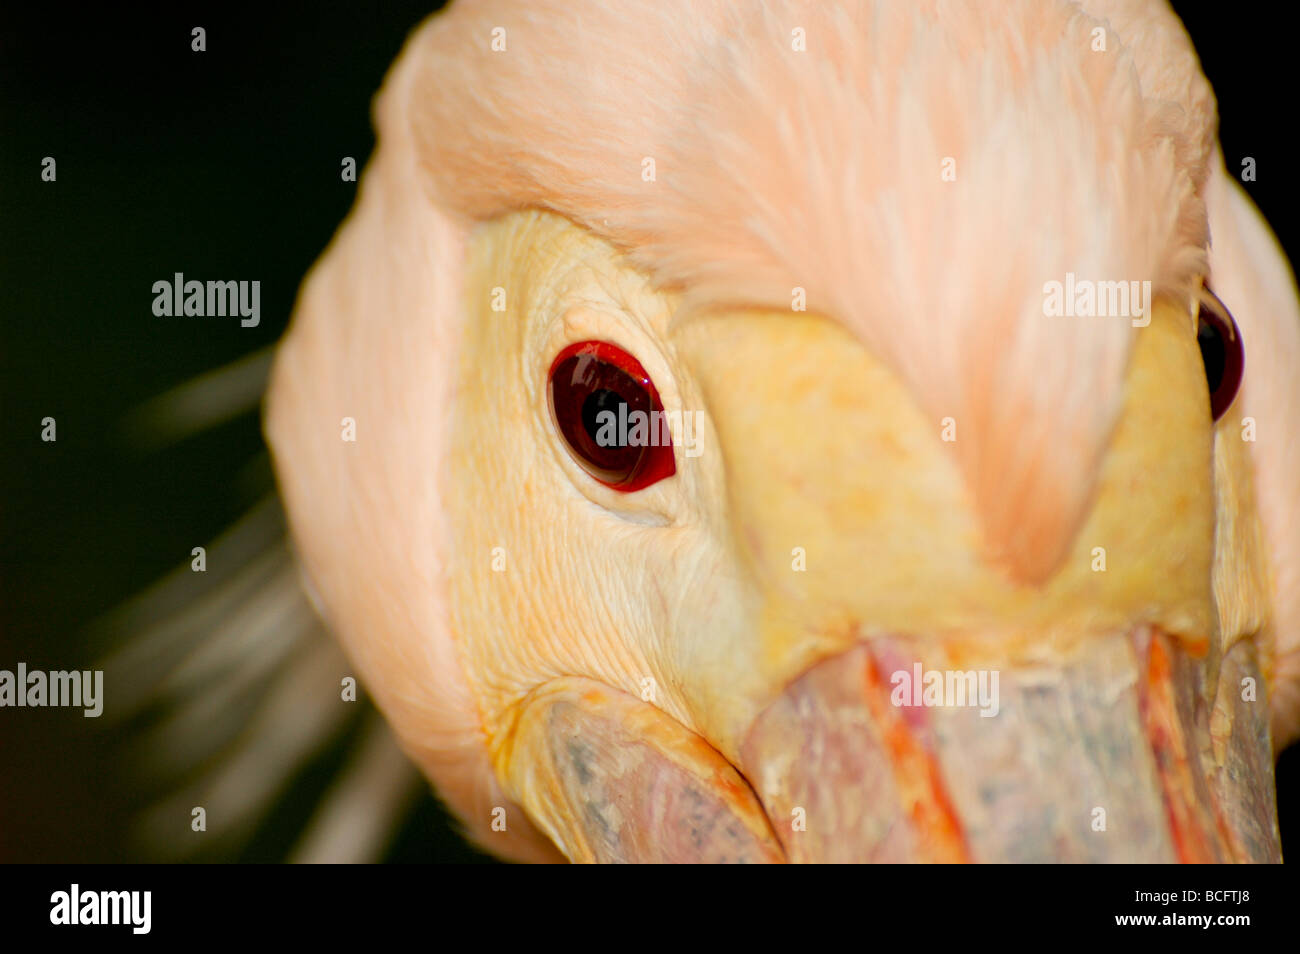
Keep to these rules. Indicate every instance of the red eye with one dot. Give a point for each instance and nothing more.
(1221, 352)
(608, 412)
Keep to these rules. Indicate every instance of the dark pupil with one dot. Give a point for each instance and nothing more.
(602, 399)
(1213, 353)
(582, 387)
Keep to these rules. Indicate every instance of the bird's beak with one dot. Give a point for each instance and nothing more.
(894, 751)
(1137, 750)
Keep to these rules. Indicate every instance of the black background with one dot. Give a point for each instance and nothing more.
(226, 164)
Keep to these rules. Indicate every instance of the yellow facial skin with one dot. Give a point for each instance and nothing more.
(689, 596)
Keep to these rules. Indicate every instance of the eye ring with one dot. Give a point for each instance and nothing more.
(607, 411)
(1222, 353)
